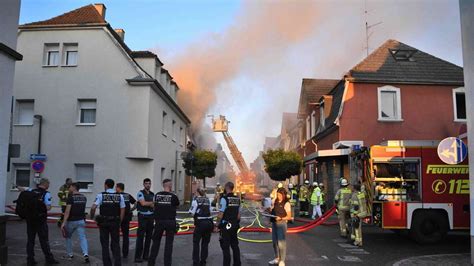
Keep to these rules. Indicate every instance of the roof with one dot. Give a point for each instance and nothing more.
(289, 121)
(312, 90)
(83, 15)
(419, 68)
(145, 54)
(330, 123)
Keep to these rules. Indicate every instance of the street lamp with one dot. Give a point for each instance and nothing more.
(40, 118)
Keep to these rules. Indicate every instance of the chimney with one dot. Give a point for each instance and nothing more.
(101, 9)
(121, 33)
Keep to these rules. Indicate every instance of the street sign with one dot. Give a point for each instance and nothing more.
(38, 157)
(37, 166)
(452, 150)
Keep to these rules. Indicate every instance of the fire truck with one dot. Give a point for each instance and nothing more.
(412, 189)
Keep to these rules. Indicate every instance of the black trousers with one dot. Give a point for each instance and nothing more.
(201, 239)
(168, 226)
(110, 231)
(125, 228)
(145, 230)
(39, 228)
(228, 239)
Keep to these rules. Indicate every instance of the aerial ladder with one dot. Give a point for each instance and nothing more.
(246, 179)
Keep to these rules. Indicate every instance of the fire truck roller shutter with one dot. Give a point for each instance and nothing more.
(429, 225)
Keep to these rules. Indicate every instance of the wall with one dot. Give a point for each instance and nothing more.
(427, 113)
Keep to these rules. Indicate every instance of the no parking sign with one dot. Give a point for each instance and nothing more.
(37, 166)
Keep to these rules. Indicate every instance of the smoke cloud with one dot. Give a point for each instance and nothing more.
(252, 71)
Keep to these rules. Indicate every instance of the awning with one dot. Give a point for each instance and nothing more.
(327, 153)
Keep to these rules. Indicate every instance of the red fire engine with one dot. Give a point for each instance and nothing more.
(414, 190)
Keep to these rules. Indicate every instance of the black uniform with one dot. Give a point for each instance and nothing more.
(110, 203)
(165, 221)
(125, 225)
(202, 231)
(145, 225)
(39, 226)
(228, 228)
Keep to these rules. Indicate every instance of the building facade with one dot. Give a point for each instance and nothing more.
(105, 111)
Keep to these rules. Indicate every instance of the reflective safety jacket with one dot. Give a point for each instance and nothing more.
(342, 198)
(304, 193)
(358, 205)
(316, 196)
(63, 194)
(293, 196)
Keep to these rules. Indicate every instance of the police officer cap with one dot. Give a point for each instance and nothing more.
(306, 181)
(344, 182)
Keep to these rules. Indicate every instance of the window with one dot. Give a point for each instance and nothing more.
(25, 112)
(173, 130)
(85, 176)
(163, 174)
(322, 119)
(308, 128)
(313, 123)
(51, 54)
(389, 104)
(22, 175)
(164, 122)
(459, 103)
(70, 54)
(87, 112)
(181, 136)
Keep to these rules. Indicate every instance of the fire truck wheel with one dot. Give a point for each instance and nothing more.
(429, 226)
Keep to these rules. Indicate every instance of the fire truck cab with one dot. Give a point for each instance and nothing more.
(414, 190)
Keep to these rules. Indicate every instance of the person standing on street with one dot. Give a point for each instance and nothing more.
(282, 211)
(36, 221)
(227, 223)
(165, 203)
(358, 212)
(112, 212)
(316, 201)
(323, 197)
(74, 220)
(293, 199)
(125, 224)
(343, 195)
(145, 221)
(63, 196)
(201, 211)
(303, 198)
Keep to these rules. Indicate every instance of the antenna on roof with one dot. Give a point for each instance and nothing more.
(368, 27)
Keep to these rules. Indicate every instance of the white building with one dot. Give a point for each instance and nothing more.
(106, 111)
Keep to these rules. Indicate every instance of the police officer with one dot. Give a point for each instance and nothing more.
(303, 198)
(293, 198)
(112, 212)
(227, 223)
(341, 199)
(38, 225)
(200, 209)
(358, 212)
(125, 224)
(165, 204)
(145, 221)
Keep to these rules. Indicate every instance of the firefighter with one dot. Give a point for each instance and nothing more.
(218, 195)
(63, 196)
(293, 197)
(341, 199)
(358, 212)
(303, 198)
(323, 196)
(316, 201)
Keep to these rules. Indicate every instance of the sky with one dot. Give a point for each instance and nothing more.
(246, 59)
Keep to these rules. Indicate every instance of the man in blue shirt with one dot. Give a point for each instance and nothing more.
(145, 221)
(112, 212)
(38, 225)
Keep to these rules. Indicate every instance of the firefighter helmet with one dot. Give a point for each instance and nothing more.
(344, 182)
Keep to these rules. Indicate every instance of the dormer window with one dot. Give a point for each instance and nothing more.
(403, 54)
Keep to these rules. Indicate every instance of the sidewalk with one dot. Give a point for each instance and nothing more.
(441, 259)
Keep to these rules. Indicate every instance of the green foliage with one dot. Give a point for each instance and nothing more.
(201, 164)
(280, 164)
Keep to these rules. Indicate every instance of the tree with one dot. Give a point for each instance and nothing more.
(201, 164)
(280, 164)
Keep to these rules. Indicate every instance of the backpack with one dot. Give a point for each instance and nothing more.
(30, 205)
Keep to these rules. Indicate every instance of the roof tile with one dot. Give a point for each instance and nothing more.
(83, 15)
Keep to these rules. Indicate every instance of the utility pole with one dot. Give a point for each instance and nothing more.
(368, 27)
(466, 8)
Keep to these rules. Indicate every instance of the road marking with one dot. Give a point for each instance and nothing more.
(349, 258)
(339, 240)
(315, 259)
(358, 251)
(252, 256)
(347, 246)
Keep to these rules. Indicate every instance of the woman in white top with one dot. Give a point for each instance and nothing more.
(282, 211)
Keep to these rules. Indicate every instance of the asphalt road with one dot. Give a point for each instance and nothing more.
(318, 246)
